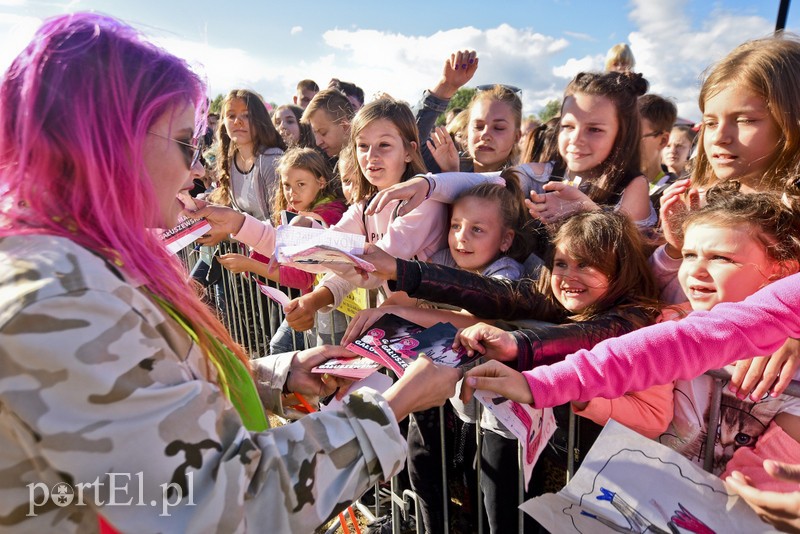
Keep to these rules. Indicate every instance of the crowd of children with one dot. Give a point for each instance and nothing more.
(609, 218)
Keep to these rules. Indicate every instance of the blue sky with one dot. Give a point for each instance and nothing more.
(536, 45)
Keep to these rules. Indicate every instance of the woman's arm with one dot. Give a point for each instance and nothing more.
(108, 385)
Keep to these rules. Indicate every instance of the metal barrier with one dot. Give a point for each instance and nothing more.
(252, 320)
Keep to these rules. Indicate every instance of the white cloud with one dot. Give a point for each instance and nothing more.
(295, 30)
(672, 53)
(580, 36)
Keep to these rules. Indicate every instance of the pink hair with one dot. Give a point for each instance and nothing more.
(75, 107)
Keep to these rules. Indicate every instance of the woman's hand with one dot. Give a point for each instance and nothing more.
(443, 150)
(559, 201)
(423, 385)
(498, 378)
(766, 374)
(385, 264)
(492, 342)
(237, 263)
(302, 380)
(413, 191)
(781, 510)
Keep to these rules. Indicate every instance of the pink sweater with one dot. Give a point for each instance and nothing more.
(674, 350)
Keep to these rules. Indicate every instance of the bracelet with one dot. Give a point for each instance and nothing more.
(431, 185)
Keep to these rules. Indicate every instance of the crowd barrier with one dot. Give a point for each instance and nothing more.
(253, 319)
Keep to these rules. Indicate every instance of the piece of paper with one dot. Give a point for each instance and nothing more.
(628, 483)
(377, 381)
(532, 427)
(275, 294)
(389, 327)
(301, 238)
(320, 257)
(185, 233)
(357, 368)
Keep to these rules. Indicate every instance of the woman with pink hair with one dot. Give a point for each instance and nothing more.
(123, 400)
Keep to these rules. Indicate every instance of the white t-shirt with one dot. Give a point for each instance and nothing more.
(741, 421)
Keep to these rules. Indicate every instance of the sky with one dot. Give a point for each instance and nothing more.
(400, 47)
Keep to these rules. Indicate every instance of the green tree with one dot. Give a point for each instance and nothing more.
(461, 99)
(216, 105)
(550, 110)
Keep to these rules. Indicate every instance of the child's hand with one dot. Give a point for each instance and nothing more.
(224, 222)
(671, 212)
(492, 342)
(443, 150)
(236, 263)
(782, 510)
(385, 264)
(300, 313)
(458, 70)
(361, 322)
(498, 378)
(413, 191)
(559, 201)
(766, 374)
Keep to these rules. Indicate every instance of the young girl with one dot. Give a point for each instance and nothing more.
(287, 120)
(733, 247)
(750, 134)
(492, 131)
(385, 145)
(486, 237)
(598, 142)
(678, 150)
(306, 188)
(249, 148)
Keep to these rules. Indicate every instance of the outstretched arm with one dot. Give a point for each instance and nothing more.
(758, 325)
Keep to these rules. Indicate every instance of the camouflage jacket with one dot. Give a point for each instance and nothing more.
(106, 407)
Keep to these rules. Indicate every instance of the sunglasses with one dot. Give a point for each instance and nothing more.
(190, 150)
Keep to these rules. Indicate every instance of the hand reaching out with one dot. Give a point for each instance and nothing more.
(413, 191)
(766, 374)
(238, 263)
(499, 378)
(559, 201)
(385, 264)
(492, 342)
